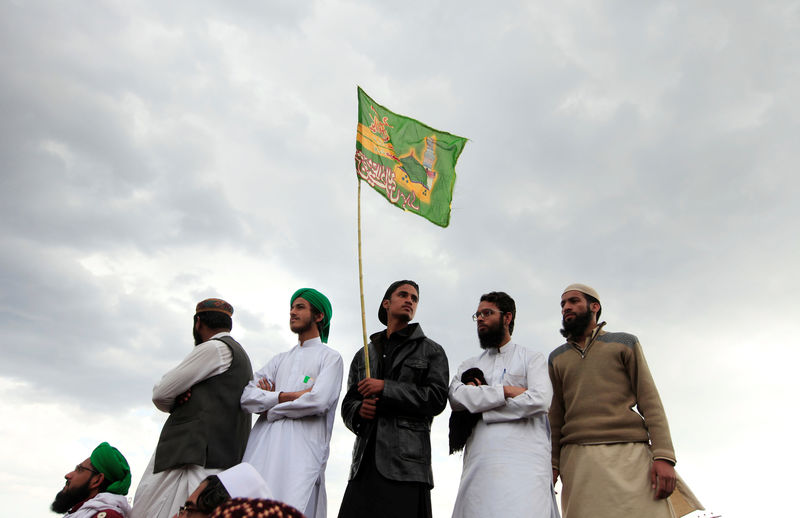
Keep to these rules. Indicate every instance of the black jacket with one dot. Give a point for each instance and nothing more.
(416, 375)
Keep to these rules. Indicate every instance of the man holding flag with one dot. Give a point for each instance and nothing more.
(391, 412)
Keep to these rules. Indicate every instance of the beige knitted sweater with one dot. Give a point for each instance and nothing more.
(595, 390)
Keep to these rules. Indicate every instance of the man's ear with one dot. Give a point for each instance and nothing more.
(507, 316)
(96, 481)
(319, 318)
(385, 304)
(594, 307)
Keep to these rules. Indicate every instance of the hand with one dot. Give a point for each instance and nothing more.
(265, 384)
(475, 382)
(555, 476)
(183, 398)
(370, 387)
(662, 478)
(283, 397)
(368, 408)
(509, 391)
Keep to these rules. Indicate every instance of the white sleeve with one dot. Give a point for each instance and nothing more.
(322, 397)
(255, 399)
(535, 400)
(206, 359)
(474, 399)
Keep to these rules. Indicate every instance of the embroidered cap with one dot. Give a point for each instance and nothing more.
(218, 305)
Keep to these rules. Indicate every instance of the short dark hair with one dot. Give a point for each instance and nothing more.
(589, 300)
(215, 320)
(382, 315)
(504, 303)
(213, 495)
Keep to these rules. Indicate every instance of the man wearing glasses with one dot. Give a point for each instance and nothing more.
(240, 481)
(512, 437)
(206, 430)
(96, 488)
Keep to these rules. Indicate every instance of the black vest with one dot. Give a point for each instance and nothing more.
(210, 429)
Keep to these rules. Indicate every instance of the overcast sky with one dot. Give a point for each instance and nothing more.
(156, 154)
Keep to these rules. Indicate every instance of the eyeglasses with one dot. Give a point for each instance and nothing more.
(186, 510)
(81, 469)
(485, 313)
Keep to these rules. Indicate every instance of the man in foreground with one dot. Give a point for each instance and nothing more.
(96, 487)
(391, 413)
(207, 430)
(296, 394)
(240, 481)
(512, 436)
(613, 460)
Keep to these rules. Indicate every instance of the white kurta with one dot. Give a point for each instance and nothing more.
(506, 470)
(289, 443)
(102, 502)
(159, 495)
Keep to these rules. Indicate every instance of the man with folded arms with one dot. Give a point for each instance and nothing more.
(296, 395)
(206, 431)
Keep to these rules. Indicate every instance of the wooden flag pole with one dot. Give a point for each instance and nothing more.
(361, 284)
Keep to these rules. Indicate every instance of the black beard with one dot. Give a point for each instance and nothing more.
(577, 326)
(492, 336)
(66, 499)
(197, 339)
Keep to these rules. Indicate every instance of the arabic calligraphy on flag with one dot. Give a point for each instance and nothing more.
(411, 164)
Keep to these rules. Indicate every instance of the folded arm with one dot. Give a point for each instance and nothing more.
(259, 394)
(534, 400)
(320, 399)
(205, 360)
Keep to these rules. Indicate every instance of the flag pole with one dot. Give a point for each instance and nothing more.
(361, 285)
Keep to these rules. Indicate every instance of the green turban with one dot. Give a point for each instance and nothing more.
(323, 305)
(110, 462)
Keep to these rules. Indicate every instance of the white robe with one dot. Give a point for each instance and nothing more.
(102, 502)
(506, 469)
(290, 442)
(159, 495)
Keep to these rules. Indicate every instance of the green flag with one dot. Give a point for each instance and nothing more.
(412, 165)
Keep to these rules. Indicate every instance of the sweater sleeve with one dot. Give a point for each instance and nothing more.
(649, 404)
(556, 414)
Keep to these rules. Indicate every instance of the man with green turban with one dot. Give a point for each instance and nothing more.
(296, 395)
(96, 487)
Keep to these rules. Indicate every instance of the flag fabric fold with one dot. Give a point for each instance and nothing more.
(411, 164)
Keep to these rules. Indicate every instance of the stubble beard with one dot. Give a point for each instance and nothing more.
(299, 327)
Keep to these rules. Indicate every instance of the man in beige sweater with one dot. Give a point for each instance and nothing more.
(610, 438)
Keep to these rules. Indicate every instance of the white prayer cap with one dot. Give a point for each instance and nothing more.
(583, 288)
(243, 481)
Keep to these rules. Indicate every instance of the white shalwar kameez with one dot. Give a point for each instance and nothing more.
(506, 467)
(159, 495)
(290, 442)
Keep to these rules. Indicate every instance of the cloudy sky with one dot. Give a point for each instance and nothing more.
(158, 154)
